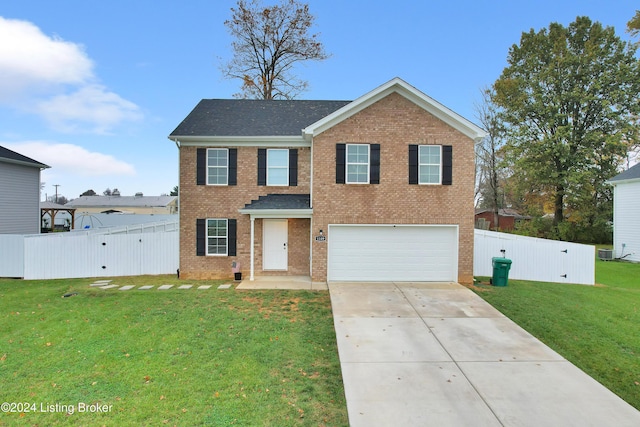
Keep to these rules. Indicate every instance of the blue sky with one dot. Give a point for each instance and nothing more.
(93, 88)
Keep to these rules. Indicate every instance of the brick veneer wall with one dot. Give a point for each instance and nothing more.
(207, 201)
(394, 122)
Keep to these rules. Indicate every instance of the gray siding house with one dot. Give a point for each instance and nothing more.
(626, 214)
(19, 193)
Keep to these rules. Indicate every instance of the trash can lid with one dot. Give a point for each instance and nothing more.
(501, 260)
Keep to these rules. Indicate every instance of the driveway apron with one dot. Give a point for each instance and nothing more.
(436, 354)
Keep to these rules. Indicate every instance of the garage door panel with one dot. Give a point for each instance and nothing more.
(392, 253)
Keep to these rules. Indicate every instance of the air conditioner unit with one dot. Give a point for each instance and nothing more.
(605, 254)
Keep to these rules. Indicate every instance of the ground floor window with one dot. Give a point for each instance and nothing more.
(217, 236)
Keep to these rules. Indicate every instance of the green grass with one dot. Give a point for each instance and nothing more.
(597, 328)
(176, 357)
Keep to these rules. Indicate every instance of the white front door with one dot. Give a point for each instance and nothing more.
(275, 244)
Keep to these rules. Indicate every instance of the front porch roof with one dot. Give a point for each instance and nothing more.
(279, 206)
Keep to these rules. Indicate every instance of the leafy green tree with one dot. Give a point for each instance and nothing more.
(269, 42)
(489, 163)
(633, 26)
(569, 96)
(175, 191)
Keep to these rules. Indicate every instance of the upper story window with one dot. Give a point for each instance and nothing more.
(217, 166)
(357, 163)
(277, 167)
(429, 164)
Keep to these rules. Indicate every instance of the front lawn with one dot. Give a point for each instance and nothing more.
(597, 328)
(175, 357)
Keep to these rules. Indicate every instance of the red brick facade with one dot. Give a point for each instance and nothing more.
(394, 122)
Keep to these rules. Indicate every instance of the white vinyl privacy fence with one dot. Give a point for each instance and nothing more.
(70, 255)
(535, 259)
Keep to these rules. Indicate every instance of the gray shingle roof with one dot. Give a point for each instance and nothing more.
(13, 157)
(249, 117)
(632, 173)
(281, 201)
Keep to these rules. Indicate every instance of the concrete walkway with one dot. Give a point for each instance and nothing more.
(282, 282)
(438, 355)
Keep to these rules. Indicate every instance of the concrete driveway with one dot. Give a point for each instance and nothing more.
(436, 354)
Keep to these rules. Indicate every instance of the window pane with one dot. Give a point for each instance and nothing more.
(429, 154)
(357, 173)
(217, 157)
(217, 237)
(429, 164)
(217, 162)
(429, 174)
(358, 163)
(358, 153)
(278, 158)
(278, 176)
(217, 176)
(277, 167)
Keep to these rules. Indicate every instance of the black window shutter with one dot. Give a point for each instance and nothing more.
(341, 152)
(262, 166)
(233, 166)
(293, 167)
(201, 166)
(447, 165)
(231, 237)
(201, 237)
(413, 164)
(374, 169)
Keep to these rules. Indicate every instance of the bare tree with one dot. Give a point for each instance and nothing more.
(488, 160)
(269, 41)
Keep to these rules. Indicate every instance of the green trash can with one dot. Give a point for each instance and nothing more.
(501, 267)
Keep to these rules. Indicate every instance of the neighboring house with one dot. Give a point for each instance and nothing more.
(137, 204)
(376, 189)
(19, 193)
(507, 219)
(626, 214)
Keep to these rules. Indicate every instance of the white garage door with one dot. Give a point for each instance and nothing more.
(392, 253)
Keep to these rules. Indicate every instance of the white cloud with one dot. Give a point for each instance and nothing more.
(54, 79)
(72, 159)
(92, 108)
(29, 59)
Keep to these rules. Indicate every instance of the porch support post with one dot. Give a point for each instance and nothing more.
(252, 244)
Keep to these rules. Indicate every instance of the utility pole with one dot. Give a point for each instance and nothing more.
(56, 185)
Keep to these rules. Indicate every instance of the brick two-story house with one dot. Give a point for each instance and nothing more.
(376, 189)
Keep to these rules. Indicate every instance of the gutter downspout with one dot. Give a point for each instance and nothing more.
(311, 220)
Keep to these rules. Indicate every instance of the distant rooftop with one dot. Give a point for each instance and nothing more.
(121, 201)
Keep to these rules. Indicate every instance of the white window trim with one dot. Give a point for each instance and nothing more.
(226, 251)
(218, 167)
(430, 164)
(278, 167)
(347, 163)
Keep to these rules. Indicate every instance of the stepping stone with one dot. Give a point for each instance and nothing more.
(145, 287)
(109, 287)
(126, 288)
(204, 286)
(224, 286)
(100, 283)
(185, 287)
(165, 287)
